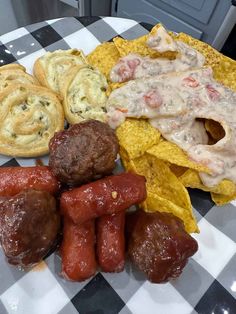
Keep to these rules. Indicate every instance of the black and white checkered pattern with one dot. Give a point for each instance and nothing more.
(208, 283)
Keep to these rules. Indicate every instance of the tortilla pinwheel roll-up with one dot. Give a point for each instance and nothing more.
(51, 67)
(29, 117)
(84, 94)
(14, 74)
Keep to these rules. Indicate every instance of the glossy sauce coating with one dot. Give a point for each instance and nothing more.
(111, 242)
(16, 179)
(29, 224)
(105, 196)
(158, 245)
(78, 251)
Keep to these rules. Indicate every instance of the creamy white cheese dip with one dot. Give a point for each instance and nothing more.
(134, 66)
(173, 103)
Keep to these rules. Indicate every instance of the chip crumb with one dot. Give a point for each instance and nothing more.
(114, 194)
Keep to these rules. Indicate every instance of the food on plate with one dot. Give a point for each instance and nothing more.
(78, 250)
(107, 200)
(11, 74)
(226, 189)
(16, 179)
(198, 95)
(223, 67)
(215, 130)
(134, 66)
(160, 40)
(222, 199)
(165, 192)
(85, 152)
(136, 137)
(29, 116)
(174, 103)
(166, 96)
(52, 66)
(111, 242)
(172, 153)
(104, 57)
(175, 129)
(109, 195)
(139, 46)
(158, 245)
(84, 94)
(29, 224)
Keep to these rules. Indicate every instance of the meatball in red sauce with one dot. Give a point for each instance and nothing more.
(83, 153)
(29, 224)
(158, 245)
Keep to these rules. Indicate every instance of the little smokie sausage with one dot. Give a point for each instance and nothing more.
(111, 242)
(106, 196)
(78, 250)
(16, 179)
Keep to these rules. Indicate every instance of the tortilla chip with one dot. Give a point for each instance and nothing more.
(140, 47)
(177, 170)
(154, 29)
(155, 202)
(136, 136)
(220, 199)
(215, 129)
(191, 179)
(172, 153)
(164, 191)
(113, 86)
(224, 72)
(224, 68)
(104, 57)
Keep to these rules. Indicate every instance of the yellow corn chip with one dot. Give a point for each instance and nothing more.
(154, 29)
(177, 170)
(104, 57)
(140, 47)
(164, 191)
(191, 179)
(224, 72)
(220, 199)
(172, 153)
(224, 68)
(215, 129)
(155, 202)
(113, 86)
(161, 181)
(162, 196)
(136, 136)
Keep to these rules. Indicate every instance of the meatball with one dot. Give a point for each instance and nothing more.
(85, 152)
(29, 224)
(158, 245)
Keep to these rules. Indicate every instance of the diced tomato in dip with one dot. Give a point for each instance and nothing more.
(134, 66)
(175, 104)
(213, 94)
(153, 99)
(190, 81)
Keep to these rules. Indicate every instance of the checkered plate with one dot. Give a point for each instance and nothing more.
(208, 283)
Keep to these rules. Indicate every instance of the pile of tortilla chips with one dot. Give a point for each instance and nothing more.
(167, 168)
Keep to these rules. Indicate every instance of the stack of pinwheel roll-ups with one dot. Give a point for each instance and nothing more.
(33, 108)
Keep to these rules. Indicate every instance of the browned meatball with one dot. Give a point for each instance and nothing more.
(85, 152)
(158, 245)
(29, 224)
